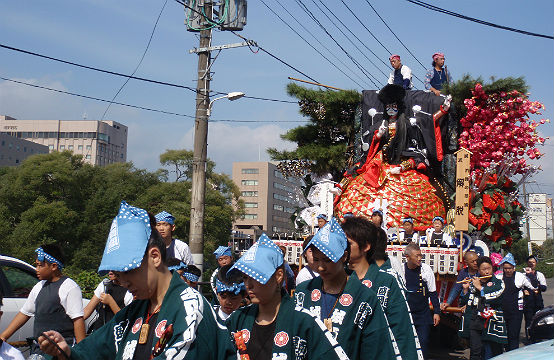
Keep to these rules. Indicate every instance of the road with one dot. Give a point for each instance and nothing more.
(442, 349)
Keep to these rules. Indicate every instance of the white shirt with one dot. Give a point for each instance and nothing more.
(182, 251)
(8, 352)
(101, 288)
(446, 239)
(70, 295)
(427, 275)
(304, 275)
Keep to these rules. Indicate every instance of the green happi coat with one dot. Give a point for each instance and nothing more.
(490, 297)
(396, 310)
(359, 324)
(196, 333)
(298, 334)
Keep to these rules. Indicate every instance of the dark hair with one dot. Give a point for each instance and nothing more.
(433, 63)
(55, 251)
(156, 239)
(192, 269)
(484, 259)
(363, 232)
(398, 143)
(532, 257)
(172, 262)
(380, 248)
(304, 244)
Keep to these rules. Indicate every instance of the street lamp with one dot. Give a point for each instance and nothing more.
(198, 189)
(232, 96)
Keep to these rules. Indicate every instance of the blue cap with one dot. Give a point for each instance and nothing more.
(127, 240)
(222, 251)
(42, 255)
(408, 219)
(322, 216)
(509, 258)
(440, 218)
(377, 211)
(233, 288)
(261, 260)
(165, 216)
(330, 240)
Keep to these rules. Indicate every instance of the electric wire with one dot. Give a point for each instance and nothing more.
(315, 37)
(310, 45)
(347, 37)
(397, 38)
(314, 18)
(365, 27)
(140, 107)
(482, 22)
(125, 75)
(139, 63)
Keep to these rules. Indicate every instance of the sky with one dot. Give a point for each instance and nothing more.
(113, 35)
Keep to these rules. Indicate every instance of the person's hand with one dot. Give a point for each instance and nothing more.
(382, 130)
(106, 299)
(396, 170)
(436, 319)
(525, 292)
(444, 306)
(477, 283)
(436, 92)
(463, 309)
(50, 348)
(528, 270)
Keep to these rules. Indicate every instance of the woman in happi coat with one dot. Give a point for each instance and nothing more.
(348, 309)
(512, 299)
(483, 318)
(272, 327)
(362, 236)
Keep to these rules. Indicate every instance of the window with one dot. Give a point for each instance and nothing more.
(278, 174)
(280, 219)
(281, 197)
(51, 146)
(250, 171)
(249, 193)
(251, 205)
(20, 281)
(70, 147)
(250, 216)
(249, 182)
(62, 147)
(277, 207)
(89, 147)
(282, 187)
(80, 147)
(24, 148)
(87, 157)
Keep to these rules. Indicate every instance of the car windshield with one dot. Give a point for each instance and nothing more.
(20, 282)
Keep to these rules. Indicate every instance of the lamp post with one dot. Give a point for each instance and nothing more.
(198, 190)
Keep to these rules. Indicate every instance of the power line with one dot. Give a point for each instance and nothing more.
(140, 62)
(141, 107)
(313, 17)
(482, 22)
(310, 45)
(397, 38)
(126, 76)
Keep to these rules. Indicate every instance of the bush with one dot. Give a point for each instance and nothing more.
(87, 281)
(519, 250)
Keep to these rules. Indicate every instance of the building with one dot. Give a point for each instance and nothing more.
(13, 150)
(537, 217)
(100, 142)
(269, 199)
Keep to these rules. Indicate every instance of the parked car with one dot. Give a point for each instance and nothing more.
(542, 325)
(17, 279)
(538, 351)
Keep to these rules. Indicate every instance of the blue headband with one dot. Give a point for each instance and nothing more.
(410, 220)
(438, 218)
(377, 212)
(179, 266)
(330, 240)
(234, 288)
(191, 277)
(42, 255)
(222, 251)
(165, 216)
(322, 216)
(509, 258)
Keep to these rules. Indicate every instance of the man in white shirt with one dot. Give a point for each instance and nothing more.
(165, 224)
(401, 74)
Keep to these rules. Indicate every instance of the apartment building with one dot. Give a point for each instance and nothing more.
(100, 142)
(13, 150)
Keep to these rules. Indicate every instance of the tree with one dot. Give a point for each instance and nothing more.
(329, 137)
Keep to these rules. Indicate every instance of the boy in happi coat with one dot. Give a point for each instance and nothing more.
(348, 309)
(230, 292)
(362, 236)
(273, 327)
(168, 319)
(483, 318)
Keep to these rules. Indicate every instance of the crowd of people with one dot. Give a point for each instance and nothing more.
(349, 301)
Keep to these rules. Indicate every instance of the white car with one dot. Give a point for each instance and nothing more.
(17, 278)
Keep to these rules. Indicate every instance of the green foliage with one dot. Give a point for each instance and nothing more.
(547, 248)
(87, 281)
(57, 198)
(461, 89)
(519, 250)
(329, 136)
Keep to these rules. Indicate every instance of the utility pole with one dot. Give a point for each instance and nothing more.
(198, 191)
(527, 230)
